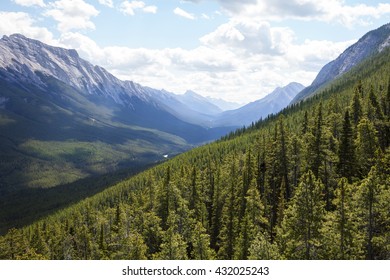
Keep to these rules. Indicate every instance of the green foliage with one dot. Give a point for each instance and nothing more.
(346, 164)
(342, 239)
(300, 235)
(309, 183)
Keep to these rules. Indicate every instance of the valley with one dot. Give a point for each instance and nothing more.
(236, 185)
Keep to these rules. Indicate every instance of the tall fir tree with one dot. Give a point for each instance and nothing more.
(341, 237)
(374, 210)
(356, 106)
(252, 223)
(228, 233)
(173, 246)
(299, 236)
(346, 165)
(367, 145)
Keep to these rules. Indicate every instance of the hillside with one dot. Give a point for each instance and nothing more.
(371, 43)
(309, 183)
(65, 122)
(63, 119)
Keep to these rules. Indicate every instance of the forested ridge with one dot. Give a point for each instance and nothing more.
(312, 182)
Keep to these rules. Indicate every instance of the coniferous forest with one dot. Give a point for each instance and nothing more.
(312, 182)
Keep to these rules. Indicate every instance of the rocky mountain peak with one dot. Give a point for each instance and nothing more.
(373, 42)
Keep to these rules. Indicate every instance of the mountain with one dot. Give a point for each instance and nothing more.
(188, 107)
(252, 112)
(321, 167)
(373, 42)
(63, 118)
(199, 103)
(223, 104)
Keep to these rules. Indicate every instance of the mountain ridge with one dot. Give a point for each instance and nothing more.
(372, 42)
(272, 103)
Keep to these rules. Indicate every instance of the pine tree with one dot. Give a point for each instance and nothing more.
(305, 124)
(366, 146)
(299, 236)
(376, 112)
(346, 165)
(284, 163)
(15, 246)
(134, 248)
(374, 211)
(216, 213)
(39, 244)
(262, 249)
(194, 198)
(252, 223)
(356, 106)
(152, 233)
(386, 112)
(315, 144)
(229, 221)
(341, 237)
(295, 159)
(173, 246)
(201, 244)
(165, 198)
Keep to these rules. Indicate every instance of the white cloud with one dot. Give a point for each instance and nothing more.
(107, 3)
(205, 16)
(87, 48)
(150, 9)
(23, 23)
(28, 3)
(72, 14)
(250, 37)
(215, 70)
(130, 8)
(243, 59)
(182, 13)
(329, 11)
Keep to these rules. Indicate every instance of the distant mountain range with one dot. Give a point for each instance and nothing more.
(373, 42)
(57, 110)
(272, 103)
(223, 104)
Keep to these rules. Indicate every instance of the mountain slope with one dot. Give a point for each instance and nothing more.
(198, 103)
(252, 112)
(184, 109)
(223, 104)
(253, 195)
(59, 113)
(373, 42)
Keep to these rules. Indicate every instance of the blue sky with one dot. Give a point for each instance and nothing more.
(236, 50)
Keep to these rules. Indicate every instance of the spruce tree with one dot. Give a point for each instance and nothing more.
(201, 244)
(374, 210)
(299, 236)
(366, 146)
(356, 107)
(252, 223)
(229, 221)
(173, 246)
(262, 249)
(340, 231)
(346, 165)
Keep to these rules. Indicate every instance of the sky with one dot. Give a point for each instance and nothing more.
(235, 50)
